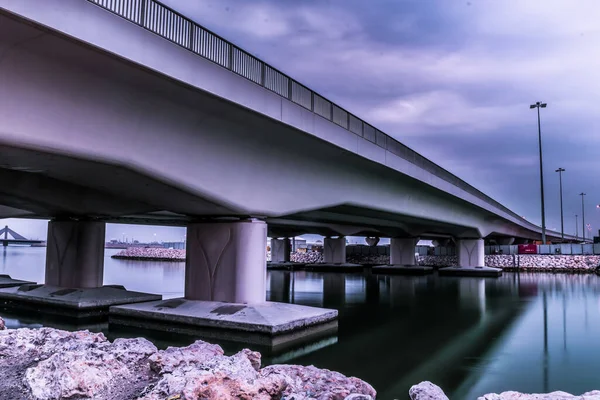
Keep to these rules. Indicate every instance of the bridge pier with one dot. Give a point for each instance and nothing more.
(471, 260)
(280, 250)
(470, 252)
(75, 254)
(402, 251)
(226, 261)
(402, 259)
(334, 257)
(74, 275)
(334, 250)
(225, 289)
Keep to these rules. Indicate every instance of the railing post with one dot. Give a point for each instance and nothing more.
(143, 13)
(191, 41)
(230, 56)
(290, 88)
(263, 74)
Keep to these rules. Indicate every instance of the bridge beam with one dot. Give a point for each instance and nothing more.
(505, 241)
(75, 254)
(470, 252)
(226, 261)
(402, 251)
(334, 250)
(280, 250)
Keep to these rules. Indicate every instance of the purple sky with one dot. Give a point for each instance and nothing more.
(451, 79)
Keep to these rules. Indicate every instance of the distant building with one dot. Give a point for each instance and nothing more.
(174, 245)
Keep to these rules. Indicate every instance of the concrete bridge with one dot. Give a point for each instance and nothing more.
(126, 111)
(14, 238)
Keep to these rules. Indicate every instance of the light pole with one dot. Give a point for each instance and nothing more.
(539, 105)
(562, 226)
(576, 228)
(582, 215)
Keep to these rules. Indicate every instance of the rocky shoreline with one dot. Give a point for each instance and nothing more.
(49, 364)
(585, 264)
(52, 364)
(507, 262)
(151, 254)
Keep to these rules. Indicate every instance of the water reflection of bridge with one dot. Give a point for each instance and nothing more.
(15, 238)
(396, 331)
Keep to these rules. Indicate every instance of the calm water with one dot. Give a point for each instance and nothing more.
(527, 332)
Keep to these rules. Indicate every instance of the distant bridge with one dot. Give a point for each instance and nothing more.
(15, 238)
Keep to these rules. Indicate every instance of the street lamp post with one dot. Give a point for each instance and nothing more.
(539, 105)
(562, 226)
(582, 215)
(576, 227)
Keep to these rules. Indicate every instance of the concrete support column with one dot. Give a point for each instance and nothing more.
(226, 261)
(402, 251)
(470, 252)
(280, 250)
(334, 250)
(75, 254)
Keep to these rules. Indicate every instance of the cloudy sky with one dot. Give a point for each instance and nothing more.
(451, 79)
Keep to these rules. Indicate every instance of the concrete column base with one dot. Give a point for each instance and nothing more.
(334, 250)
(471, 260)
(470, 252)
(74, 276)
(402, 251)
(280, 250)
(226, 261)
(75, 254)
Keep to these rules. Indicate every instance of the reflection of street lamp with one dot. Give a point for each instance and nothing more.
(545, 305)
(539, 105)
(562, 227)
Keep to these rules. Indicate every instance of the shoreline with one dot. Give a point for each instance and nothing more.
(143, 258)
(48, 364)
(564, 264)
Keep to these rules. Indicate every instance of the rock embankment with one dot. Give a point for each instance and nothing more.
(525, 262)
(46, 363)
(429, 391)
(151, 254)
(438, 261)
(310, 257)
(544, 263)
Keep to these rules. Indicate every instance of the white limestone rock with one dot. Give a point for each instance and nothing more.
(511, 395)
(103, 370)
(49, 364)
(315, 383)
(426, 391)
(214, 376)
(165, 361)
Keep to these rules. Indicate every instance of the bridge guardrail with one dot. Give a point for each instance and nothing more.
(171, 25)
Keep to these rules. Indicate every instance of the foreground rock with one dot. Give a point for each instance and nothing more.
(426, 391)
(429, 391)
(46, 363)
(594, 395)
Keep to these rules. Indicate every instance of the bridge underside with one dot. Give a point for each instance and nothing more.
(86, 135)
(38, 184)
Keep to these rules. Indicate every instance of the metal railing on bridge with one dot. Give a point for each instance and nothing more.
(165, 22)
